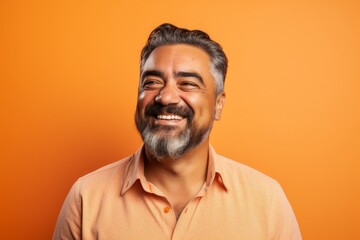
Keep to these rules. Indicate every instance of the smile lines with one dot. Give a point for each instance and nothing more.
(169, 117)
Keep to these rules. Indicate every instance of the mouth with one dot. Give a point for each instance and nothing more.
(169, 117)
(169, 120)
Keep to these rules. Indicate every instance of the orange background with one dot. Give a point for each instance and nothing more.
(69, 72)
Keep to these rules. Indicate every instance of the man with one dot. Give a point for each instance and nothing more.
(175, 186)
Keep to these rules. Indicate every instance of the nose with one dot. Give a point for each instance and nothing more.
(169, 94)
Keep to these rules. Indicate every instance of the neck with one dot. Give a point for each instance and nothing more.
(193, 164)
(179, 179)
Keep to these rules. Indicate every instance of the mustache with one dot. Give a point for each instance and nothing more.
(155, 109)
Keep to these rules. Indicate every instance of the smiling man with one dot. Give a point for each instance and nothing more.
(176, 186)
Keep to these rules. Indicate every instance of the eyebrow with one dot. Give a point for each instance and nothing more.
(190, 74)
(156, 73)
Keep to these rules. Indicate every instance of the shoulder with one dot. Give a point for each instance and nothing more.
(244, 182)
(237, 169)
(107, 175)
(106, 170)
(262, 195)
(240, 176)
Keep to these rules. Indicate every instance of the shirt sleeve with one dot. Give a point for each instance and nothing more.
(287, 227)
(68, 225)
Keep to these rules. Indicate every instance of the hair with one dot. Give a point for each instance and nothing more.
(168, 34)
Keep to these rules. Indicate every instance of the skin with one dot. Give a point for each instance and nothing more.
(179, 75)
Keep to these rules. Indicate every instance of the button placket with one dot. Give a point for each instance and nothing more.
(184, 221)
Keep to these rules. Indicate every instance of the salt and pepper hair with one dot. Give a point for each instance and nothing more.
(168, 34)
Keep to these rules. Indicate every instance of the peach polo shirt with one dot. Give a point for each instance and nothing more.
(235, 202)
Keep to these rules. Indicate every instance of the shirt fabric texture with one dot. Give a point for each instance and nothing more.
(235, 202)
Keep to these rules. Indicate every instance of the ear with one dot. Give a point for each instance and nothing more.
(219, 104)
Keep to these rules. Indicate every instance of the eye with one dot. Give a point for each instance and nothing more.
(188, 85)
(151, 84)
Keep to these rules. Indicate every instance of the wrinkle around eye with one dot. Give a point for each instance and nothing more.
(151, 84)
(188, 85)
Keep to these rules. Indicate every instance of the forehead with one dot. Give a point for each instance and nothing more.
(179, 57)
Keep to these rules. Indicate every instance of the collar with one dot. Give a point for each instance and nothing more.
(134, 172)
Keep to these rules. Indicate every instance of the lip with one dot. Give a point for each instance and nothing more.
(169, 120)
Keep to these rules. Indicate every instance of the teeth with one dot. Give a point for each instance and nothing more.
(169, 117)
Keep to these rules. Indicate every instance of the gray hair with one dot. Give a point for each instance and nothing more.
(168, 34)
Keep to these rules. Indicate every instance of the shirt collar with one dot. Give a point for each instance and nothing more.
(215, 170)
(135, 171)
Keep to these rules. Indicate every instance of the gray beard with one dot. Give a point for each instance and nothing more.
(161, 144)
(161, 147)
(173, 147)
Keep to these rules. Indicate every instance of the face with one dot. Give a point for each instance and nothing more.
(177, 103)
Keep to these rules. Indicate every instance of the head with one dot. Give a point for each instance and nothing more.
(168, 34)
(181, 90)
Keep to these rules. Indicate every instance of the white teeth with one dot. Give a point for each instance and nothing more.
(169, 117)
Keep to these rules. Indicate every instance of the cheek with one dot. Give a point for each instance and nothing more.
(141, 97)
(144, 98)
(203, 106)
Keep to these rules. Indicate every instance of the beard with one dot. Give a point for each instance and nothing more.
(161, 141)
